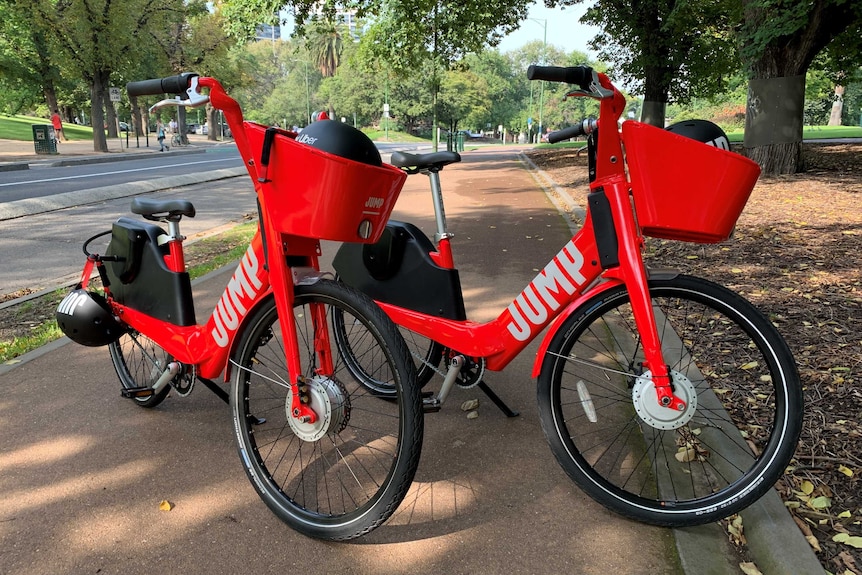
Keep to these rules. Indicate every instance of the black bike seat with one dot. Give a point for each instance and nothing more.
(162, 209)
(415, 162)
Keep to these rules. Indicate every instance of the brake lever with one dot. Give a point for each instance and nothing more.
(596, 90)
(195, 98)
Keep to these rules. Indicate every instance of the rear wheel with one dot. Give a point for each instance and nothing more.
(139, 362)
(345, 474)
(599, 410)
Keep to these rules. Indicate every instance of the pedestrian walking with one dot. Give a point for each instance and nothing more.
(58, 126)
(160, 135)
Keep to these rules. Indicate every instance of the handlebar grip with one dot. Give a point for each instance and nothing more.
(169, 85)
(580, 76)
(566, 133)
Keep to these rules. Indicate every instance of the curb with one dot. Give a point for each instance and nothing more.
(775, 543)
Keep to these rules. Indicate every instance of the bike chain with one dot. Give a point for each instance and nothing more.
(470, 375)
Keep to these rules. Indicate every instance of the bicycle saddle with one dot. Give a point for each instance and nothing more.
(156, 210)
(434, 161)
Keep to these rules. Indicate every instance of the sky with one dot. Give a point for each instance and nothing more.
(564, 30)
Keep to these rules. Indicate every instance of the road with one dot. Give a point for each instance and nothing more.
(44, 250)
(49, 179)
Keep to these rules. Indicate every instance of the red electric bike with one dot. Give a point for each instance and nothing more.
(326, 454)
(667, 398)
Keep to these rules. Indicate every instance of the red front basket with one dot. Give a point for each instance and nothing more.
(684, 189)
(315, 194)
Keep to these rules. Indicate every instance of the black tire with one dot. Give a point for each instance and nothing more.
(623, 450)
(139, 362)
(344, 477)
(426, 354)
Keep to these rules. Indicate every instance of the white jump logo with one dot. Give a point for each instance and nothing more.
(242, 289)
(535, 303)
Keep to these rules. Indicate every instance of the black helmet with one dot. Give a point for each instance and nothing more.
(86, 318)
(342, 140)
(702, 131)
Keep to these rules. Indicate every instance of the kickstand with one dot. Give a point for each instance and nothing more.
(509, 412)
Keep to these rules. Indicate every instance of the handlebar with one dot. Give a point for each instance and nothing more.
(588, 81)
(585, 128)
(580, 76)
(170, 85)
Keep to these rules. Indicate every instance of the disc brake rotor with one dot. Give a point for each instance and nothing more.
(647, 406)
(329, 400)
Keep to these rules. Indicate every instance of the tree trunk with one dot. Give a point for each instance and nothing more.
(653, 113)
(110, 114)
(773, 123)
(51, 98)
(837, 107)
(656, 87)
(776, 89)
(98, 85)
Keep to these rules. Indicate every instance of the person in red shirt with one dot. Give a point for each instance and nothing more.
(58, 125)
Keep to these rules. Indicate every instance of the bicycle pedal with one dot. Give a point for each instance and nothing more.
(431, 405)
(136, 392)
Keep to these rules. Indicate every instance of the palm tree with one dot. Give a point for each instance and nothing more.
(324, 46)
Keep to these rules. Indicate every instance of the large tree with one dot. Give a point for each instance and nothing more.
(669, 49)
(780, 39)
(92, 40)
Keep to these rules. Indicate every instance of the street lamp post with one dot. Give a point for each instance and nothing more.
(307, 92)
(544, 23)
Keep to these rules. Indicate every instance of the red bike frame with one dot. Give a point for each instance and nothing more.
(567, 281)
(262, 272)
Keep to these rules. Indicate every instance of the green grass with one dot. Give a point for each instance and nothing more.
(235, 241)
(393, 136)
(21, 128)
(238, 238)
(735, 136)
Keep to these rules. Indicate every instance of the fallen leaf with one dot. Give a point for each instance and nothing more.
(845, 470)
(807, 487)
(686, 454)
(845, 515)
(166, 505)
(847, 539)
(812, 540)
(750, 569)
(821, 502)
(749, 365)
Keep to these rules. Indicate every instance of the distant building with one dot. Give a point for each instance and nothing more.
(267, 32)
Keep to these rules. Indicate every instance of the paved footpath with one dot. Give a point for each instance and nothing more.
(82, 471)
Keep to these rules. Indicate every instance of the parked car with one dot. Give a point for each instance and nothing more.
(124, 127)
(192, 128)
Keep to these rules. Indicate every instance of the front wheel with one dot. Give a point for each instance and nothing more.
(600, 415)
(345, 474)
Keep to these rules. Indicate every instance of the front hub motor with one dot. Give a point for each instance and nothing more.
(329, 400)
(647, 406)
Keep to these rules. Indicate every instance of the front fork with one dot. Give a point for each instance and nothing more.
(632, 272)
(285, 254)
